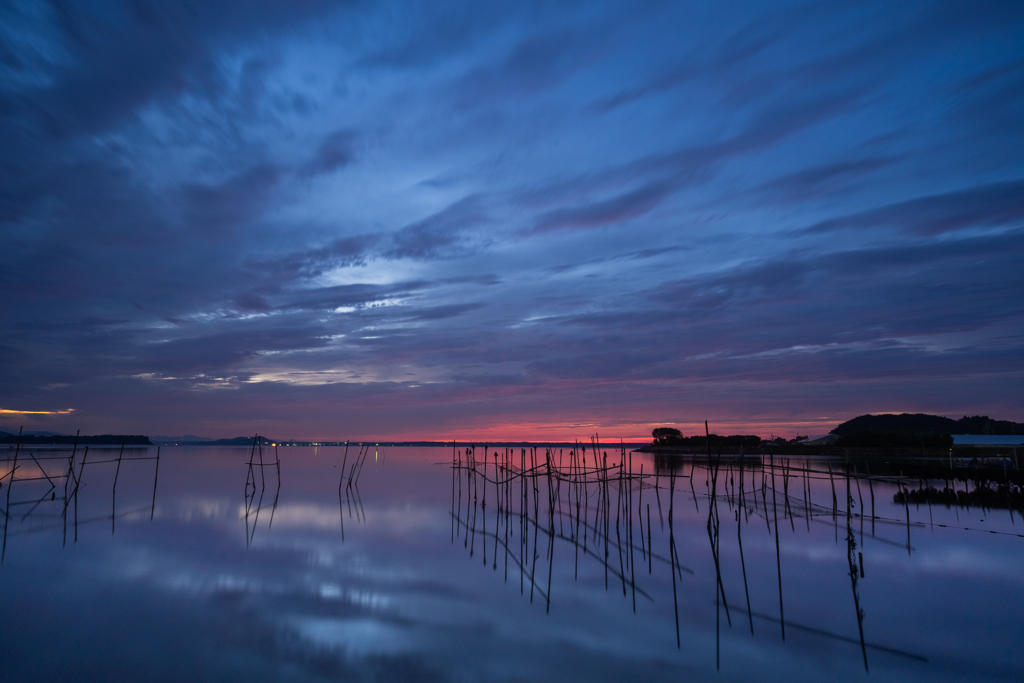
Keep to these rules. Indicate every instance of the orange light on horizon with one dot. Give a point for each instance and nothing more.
(7, 411)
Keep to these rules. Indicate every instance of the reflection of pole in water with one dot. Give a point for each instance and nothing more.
(453, 491)
(835, 502)
(67, 481)
(851, 548)
(650, 548)
(10, 485)
(906, 505)
(497, 511)
(871, 489)
(739, 539)
(113, 492)
(640, 515)
(78, 483)
(692, 492)
(341, 480)
(156, 473)
(551, 536)
(778, 554)
(860, 497)
(672, 554)
(277, 464)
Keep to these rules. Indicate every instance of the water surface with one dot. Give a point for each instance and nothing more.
(418, 571)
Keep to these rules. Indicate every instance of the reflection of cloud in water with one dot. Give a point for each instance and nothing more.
(397, 518)
(355, 636)
(191, 509)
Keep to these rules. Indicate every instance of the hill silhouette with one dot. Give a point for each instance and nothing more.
(921, 423)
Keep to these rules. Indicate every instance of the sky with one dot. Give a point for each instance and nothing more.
(510, 220)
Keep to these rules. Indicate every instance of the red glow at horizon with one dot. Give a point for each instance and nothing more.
(611, 432)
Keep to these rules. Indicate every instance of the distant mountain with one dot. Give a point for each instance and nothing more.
(14, 430)
(64, 439)
(190, 438)
(237, 441)
(920, 423)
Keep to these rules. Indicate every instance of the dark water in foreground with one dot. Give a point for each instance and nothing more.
(408, 575)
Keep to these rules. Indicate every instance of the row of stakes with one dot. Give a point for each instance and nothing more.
(545, 497)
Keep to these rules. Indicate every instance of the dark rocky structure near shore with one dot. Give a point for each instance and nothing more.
(906, 435)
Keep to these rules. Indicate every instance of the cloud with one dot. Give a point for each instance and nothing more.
(438, 235)
(992, 205)
(335, 152)
(479, 202)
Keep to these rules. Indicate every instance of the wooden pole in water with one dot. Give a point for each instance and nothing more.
(851, 546)
(113, 492)
(860, 497)
(551, 551)
(657, 495)
(871, 488)
(672, 560)
(156, 473)
(10, 485)
(835, 502)
(453, 491)
(524, 517)
(739, 539)
(277, 494)
(906, 505)
(785, 488)
(618, 536)
(640, 514)
(692, 491)
(497, 511)
(650, 554)
(78, 483)
(778, 554)
(67, 480)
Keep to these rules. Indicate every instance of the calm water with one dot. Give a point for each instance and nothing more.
(410, 574)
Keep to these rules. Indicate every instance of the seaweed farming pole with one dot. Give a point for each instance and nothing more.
(618, 536)
(67, 480)
(113, 492)
(713, 537)
(632, 558)
(807, 497)
(10, 485)
(871, 488)
(453, 490)
(277, 464)
(551, 536)
(672, 554)
(508, 506)
(906, 505)
(778, 554)
(606, 504)
(341, 508)
(739, 539)
(497, 511)
(640, 514)
(860, 497)
(835, 502)
(483, 505)
(851, 548)
(263, 488)
(574, 490)
(78, 483)
(156, 473)
(650, 548)
(785, 491)
(522, 520)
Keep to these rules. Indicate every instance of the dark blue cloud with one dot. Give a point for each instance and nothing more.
(997, 204)
(345, 201)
